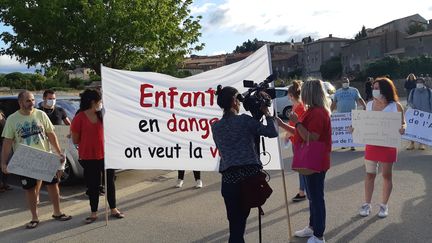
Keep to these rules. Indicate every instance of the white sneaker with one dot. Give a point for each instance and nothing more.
(179, 183)
(306, 232)
(365, 210)
(314, 239)
(383, 211)
(199, 184)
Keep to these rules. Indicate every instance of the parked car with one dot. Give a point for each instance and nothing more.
(73, 170)
(284, 105)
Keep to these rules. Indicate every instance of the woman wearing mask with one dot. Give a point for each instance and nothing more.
(234, 137)
(298, 109)
(314, 125)
(386, 100)
(87, 132)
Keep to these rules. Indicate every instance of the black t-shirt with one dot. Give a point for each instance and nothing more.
(55, 115)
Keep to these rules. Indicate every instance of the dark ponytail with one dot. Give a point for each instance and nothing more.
(225, 96)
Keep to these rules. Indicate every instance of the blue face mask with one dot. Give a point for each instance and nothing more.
(376, 93)
(50, 103)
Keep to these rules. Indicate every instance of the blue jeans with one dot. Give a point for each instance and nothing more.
(237, 215)
(302, 182)
(315, 194)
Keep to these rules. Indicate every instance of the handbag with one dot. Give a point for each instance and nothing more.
(308, 157)
(254, 191)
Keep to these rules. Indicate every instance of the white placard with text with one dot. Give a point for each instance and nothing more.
(34, 163)
(377, 128)
(341, 134)
(419, 126)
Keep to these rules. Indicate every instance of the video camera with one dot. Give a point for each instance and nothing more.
(253, 100)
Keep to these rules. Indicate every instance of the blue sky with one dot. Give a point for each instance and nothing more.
(228, 23)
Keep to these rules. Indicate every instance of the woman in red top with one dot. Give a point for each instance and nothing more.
(314, 125)
(298, 109)
(87, 132)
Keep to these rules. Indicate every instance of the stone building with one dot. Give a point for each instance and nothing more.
(400, 25)
(318, 52)
(355, 55)
(419, 44)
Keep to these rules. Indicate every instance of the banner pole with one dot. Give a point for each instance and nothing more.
(280, 153)
(106, 198)
(287, 208)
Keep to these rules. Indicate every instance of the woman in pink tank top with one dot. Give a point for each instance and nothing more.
(384, 99)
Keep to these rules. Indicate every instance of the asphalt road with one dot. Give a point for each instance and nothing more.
(158, 212)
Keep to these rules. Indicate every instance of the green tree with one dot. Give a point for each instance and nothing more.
(332, 68)
(247, 46)
(414, 28)
(122, 34)
(361, 34)
(387, 65)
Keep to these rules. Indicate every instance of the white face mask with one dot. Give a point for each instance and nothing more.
(345, 85)
(99, 107)
(420, 85)
(50, 103)
(376, 93)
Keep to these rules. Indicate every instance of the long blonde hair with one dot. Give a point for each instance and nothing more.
(313, 94)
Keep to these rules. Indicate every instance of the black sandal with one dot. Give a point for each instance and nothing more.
(90, 220)
(118, 215)
(32, 224)
(62, 217)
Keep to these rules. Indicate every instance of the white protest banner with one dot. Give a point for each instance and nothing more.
(155, 121)
(62, 132)
(419, 126)
(341, 135)
(34, 163)
(377, 128)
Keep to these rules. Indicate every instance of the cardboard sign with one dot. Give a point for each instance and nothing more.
(377, 128)
(62, 132)
(34, 163)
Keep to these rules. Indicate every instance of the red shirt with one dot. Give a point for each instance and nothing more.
(317, 120)
(91, 143)
(299, 109)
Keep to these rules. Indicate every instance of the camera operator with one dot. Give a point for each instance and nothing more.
(234, 136)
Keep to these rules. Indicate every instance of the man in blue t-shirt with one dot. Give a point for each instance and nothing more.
(346, 99)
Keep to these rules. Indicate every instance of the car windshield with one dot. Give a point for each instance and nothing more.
(70, 105)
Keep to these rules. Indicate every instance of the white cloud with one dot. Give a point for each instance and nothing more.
(337, 17)
(196, 10)
(9, 61)
(9, 64)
